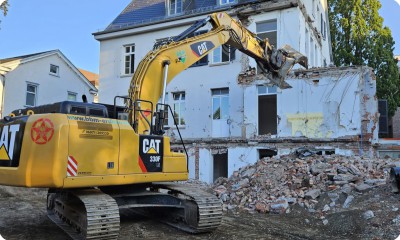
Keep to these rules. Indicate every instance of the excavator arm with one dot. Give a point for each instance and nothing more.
(173, 55)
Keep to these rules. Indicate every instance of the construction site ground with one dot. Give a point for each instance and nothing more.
(23, 216)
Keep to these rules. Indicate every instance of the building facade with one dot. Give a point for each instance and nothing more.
(41, 78)
(229, 121)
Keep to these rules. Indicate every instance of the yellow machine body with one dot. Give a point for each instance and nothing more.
(71, 151)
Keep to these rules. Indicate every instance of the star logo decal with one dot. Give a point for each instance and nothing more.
(42, 131)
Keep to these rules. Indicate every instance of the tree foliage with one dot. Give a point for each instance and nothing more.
(359, 38)
(4, 7)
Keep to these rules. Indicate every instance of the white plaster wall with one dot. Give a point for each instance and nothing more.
(50, 88)
(205, 165)
(239, 157)
(192, 163)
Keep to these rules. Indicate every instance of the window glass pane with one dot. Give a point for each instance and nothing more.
(96, 112)
(216, 108)
(127, 49)
(179, 6)
(78, 110)
(225, 53)
(30, 99)
(272, 37)
(31, 88)
(217, 55)
(182, 96)
(224, 91)
(225, 107)
(132, 66)
(176, 112)
(53, 68)
(262, 89)
(71, 97)
(266, 26)
(182, 110)
(272, 89)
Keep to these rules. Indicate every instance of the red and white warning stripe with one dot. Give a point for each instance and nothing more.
(72, 169)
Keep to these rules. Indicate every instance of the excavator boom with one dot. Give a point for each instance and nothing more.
(179, 53)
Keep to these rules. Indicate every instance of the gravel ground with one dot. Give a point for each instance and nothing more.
(23, 216)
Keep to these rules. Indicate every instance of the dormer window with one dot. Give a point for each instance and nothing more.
(175, 7)
(223, 2)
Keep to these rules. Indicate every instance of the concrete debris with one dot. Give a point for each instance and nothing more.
(348, 201)
(317, 183)
(368, 215)
(313, 194)
(396, 220)
(363, 187)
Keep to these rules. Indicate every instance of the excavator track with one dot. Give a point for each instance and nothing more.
(203, 211)
(84, 214)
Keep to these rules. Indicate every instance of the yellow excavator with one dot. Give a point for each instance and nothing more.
(95, 164)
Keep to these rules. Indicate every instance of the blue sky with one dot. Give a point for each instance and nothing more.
(42, 25)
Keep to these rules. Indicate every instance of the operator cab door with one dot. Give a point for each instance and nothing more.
(220, 112)
(93, 146)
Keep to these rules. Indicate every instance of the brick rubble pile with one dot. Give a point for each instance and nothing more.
(271, 185)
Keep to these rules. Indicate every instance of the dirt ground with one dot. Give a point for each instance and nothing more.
(23, 216)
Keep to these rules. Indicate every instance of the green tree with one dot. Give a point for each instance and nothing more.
(359, 38)
(4, 7)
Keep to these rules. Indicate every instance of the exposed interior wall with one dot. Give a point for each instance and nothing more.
(322, 103)
(396, 124)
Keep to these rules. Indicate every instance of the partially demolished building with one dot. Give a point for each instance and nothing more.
(228, 115)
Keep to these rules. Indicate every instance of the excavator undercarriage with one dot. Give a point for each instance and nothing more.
(94, 213)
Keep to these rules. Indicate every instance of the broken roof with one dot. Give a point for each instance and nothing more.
(140, 12)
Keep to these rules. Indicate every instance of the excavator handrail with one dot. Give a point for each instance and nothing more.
(177, 128)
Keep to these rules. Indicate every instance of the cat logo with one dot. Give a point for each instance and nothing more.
(151, 153)
(201, 48)
(151, 146)
(7, 141)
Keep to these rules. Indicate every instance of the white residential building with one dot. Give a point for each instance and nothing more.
(229, 122)
(41, 78)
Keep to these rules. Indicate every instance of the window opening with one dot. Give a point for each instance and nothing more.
(220, 165)
(179, 108)
(31, 92)
(267, 110)
(175, 7)
(220, 103)
(54, 70)
(268, 29)
(71, 96)
(129, 59)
